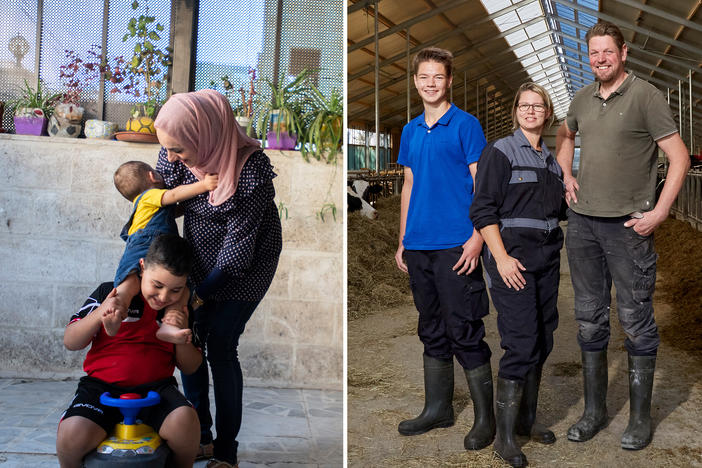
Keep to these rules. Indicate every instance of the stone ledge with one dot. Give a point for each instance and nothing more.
(97, 141)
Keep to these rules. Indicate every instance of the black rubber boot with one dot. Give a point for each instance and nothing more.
(526, 422)
(509, 396)
(594, 417)
(438, 399)
(483, 431)
(638, 433)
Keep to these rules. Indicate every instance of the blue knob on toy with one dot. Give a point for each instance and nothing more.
(130, 403)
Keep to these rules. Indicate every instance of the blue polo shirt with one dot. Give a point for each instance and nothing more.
(442, 189)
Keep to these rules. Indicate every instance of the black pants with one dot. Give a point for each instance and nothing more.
(526, 318)
(218, 326)
(451, 306)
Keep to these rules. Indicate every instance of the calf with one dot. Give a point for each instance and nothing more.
(357, 198)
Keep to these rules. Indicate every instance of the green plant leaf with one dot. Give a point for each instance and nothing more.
(135, 5)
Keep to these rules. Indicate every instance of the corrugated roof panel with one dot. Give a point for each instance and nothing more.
(524, 50)
(592, 4)
(536, 29)
(495, 5)
(541, 43)
(530, 61)
(530, 11)
(565, 12)
(516, 37)
(507, 21)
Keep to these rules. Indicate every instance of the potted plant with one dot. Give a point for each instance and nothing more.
(32, 109)
(145, 73)
(243, 112)
(279, 120)
(75, 75)
(323, 135)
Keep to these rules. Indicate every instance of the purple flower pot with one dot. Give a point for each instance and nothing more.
(31, 125)
(285, 142)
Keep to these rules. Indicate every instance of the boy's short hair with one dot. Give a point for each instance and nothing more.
(434, 54)
(605, 28)
(171, 252)
(132, 178)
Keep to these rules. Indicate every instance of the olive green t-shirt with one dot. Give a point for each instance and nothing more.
(618, 151)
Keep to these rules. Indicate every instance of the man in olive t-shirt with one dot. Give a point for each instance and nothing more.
(622, 121)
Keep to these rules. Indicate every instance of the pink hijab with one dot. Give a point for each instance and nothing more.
(203, 122)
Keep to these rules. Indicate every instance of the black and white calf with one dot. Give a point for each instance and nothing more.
(357, 197)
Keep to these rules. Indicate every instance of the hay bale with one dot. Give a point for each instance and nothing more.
(680, 266)
(374, 281)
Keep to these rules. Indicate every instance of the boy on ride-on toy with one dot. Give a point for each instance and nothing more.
(134, 360)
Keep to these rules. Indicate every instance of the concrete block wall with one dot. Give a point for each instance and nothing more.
(60, 218)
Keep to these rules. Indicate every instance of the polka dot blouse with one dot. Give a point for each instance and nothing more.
(241, 237)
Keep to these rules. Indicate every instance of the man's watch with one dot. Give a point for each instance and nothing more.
(196, 301)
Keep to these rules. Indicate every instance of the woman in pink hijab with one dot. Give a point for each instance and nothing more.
(236, 237)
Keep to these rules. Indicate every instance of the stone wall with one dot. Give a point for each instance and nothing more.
(60, 218)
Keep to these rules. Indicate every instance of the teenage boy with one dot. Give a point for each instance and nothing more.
(133, 360)
(439, 249)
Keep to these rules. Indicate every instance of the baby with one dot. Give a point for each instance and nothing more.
(153, 214)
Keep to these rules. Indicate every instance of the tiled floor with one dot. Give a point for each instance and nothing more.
(281, 427)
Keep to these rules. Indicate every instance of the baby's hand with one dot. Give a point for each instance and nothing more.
(211, 181)
(177, 318)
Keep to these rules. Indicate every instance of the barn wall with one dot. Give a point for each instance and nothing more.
(60, 218)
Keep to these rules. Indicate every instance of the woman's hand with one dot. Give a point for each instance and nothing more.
(509, 268)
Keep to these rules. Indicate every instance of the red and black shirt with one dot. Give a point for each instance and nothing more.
(134, 356)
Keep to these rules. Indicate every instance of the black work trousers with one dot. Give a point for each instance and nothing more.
(527, 318)
(451, 306)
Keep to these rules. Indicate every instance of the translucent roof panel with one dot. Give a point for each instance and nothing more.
(561, 62)
(536, 29)
(530, 11)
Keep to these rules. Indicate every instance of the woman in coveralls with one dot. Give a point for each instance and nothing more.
(517, 205)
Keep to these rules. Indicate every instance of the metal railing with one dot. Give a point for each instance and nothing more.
(389, 180)
(688, 205)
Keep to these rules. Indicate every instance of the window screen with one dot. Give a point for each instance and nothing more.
(118, 105)
(67, 25)
(236, 36)
(18, 48)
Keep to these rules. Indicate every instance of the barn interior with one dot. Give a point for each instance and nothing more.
(500, 44)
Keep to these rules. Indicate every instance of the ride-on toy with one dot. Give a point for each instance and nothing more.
(131, 443)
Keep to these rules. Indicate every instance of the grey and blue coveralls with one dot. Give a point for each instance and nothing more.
(521, 190)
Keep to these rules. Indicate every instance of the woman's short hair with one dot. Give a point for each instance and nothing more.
(434, 54)
(541, 91)
(605, 28)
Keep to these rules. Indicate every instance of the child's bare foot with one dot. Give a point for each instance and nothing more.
(175, 335)
(111, 320)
